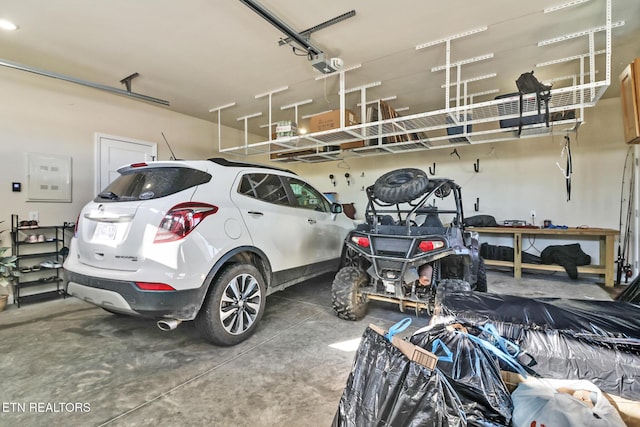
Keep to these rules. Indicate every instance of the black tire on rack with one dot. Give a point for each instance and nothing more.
(348, 303)
(481, 281)
(401, 185)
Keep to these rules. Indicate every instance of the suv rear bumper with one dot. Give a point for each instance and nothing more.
(126, 297)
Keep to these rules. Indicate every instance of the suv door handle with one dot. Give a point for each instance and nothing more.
(311, 221)
(255, 213)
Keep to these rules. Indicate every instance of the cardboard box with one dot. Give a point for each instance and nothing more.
(351, 145)
(331, 120)
(412, 351)
(286, 154)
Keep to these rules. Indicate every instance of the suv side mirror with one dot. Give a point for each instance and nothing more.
(336, 208)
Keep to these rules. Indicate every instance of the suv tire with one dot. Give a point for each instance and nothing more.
(347, 302)
(234, 305)
(401, 185)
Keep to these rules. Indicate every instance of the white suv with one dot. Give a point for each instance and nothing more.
(205, 240)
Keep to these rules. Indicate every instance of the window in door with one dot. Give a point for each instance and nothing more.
(264, 187)
(308, 197)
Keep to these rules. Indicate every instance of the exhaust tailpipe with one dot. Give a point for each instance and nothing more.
(168, 324)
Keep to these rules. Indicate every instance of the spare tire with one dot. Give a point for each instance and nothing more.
(401, 185)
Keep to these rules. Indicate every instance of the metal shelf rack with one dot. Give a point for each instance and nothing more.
(478, 122)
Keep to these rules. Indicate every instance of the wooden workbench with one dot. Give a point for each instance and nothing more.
(606, 237)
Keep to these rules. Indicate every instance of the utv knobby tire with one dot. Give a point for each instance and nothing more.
(401, 185)
(453, 285)
(348, 303)
(481, 277)
(351, 258)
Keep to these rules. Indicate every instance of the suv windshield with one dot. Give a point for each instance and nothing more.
(152, 183)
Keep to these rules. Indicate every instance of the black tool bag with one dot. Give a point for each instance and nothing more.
(569, 256)
(527, 83)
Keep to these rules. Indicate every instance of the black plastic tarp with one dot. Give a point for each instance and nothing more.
(472, 370)
(631, 293)
(386, 388)
(597, 341)
(601, 322)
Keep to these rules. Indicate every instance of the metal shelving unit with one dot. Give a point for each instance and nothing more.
(428, 130)
(37, 282)
(485, 117)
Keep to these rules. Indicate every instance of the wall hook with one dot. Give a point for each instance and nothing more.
(476, 165)
(455, 151)
(432, 172)
(333, 179)
(476, 205)
(346, 175)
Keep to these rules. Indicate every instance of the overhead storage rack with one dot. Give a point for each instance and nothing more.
(453, 126)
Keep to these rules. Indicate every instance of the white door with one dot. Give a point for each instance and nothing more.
(274, 225)
(113, 152)
(324, 232)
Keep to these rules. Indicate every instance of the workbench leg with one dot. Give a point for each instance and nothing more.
(606, 258)
(517, 255)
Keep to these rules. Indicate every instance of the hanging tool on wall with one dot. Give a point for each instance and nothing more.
(566, 151)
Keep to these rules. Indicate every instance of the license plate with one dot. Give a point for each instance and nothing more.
(105, 231)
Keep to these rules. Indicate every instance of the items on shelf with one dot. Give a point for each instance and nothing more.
(286, 128)
(40, 250)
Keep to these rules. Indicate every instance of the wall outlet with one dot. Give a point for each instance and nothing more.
(33, 216)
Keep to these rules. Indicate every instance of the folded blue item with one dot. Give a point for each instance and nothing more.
(564, 227)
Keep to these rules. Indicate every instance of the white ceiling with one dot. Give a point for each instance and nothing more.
(200, 54)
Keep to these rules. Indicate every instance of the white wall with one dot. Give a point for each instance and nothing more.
(43, 115)
(515, 176)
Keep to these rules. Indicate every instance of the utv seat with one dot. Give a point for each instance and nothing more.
(432, 220)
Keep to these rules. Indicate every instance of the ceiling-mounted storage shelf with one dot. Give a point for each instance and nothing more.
(465, 123)
(481, 123)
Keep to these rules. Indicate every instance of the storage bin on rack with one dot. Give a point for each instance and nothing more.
(513, 107)
(457, 130)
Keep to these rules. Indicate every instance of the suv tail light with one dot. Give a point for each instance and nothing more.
(430, 245)
(181, 220)
(75, 226)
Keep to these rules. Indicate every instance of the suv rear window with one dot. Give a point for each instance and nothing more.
(152, 183)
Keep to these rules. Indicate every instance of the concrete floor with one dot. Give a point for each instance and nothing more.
(68, 363)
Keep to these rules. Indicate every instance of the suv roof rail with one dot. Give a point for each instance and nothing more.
(233, 163)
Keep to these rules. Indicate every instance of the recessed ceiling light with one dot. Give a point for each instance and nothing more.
(7, 25)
